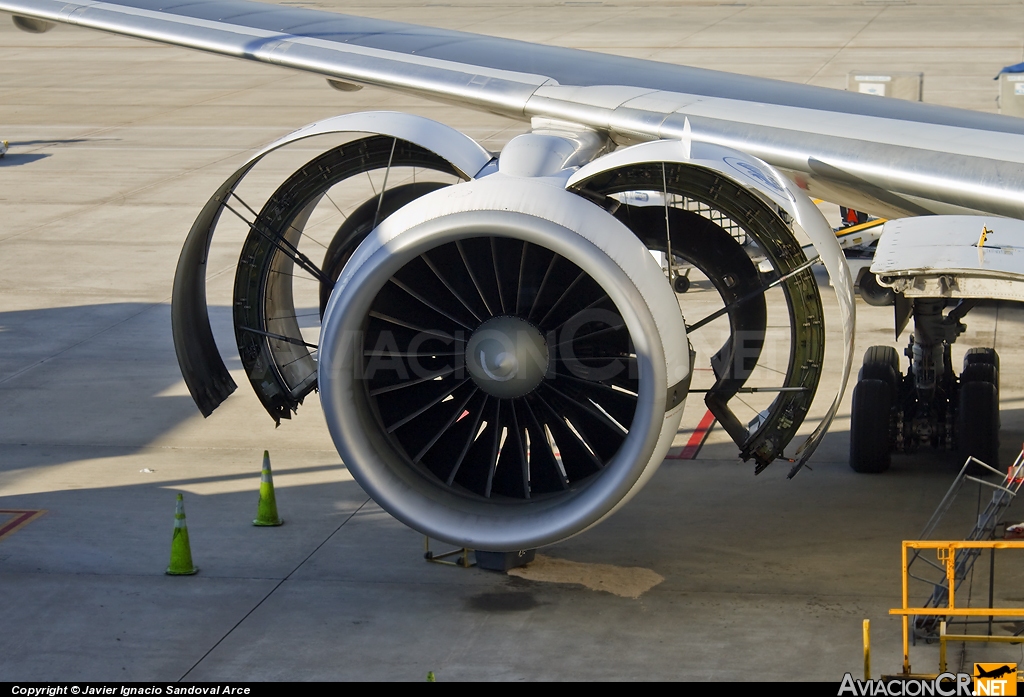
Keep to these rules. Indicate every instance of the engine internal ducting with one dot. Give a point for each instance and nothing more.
(283, 372)
(700, 241)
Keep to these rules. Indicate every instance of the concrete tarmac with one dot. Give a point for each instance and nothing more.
(115, 146)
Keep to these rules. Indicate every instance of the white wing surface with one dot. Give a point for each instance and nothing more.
(889, 157)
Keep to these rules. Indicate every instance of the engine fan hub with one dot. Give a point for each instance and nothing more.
(507, 357)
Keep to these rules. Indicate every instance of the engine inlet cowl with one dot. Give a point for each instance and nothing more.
(495, 362)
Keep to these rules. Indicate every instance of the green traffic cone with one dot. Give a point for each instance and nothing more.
(266, 512)
(181, 553)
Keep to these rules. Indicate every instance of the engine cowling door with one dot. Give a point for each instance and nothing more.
(709, 197)
(273, 347)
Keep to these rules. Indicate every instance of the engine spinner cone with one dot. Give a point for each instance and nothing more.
(507, 357)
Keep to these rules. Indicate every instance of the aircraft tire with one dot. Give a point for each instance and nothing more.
(979, 424)
(981, 365)
(869, 427)
(882, 363)
(981, 354)
(981, 372)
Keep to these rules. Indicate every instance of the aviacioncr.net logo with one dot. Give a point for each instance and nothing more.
(995, 678)
(944, 685)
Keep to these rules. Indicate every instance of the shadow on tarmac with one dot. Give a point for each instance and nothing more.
(104, 375)
(15, 159)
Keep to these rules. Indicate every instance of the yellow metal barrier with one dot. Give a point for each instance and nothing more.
(946, 552)
(867, 649)
(860, 227)
(944, 637)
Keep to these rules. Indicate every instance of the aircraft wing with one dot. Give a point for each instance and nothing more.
(888, 157)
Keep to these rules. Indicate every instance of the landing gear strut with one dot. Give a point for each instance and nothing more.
(929, 404)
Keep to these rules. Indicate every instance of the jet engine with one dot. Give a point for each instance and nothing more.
(501, 360)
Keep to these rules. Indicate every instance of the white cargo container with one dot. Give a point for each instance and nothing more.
(1011, 94)
(901, 85)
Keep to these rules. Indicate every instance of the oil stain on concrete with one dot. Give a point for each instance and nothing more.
(623, 581)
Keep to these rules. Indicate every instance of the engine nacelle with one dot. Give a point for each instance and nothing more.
(502, 364)
(501, 360)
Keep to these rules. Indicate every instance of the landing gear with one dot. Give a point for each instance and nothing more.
(929, 405)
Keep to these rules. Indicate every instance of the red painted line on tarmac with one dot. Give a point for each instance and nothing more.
(697, 438)
(20, 519)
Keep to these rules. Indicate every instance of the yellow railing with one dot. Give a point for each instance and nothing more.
(946, 552)
(944, 637)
